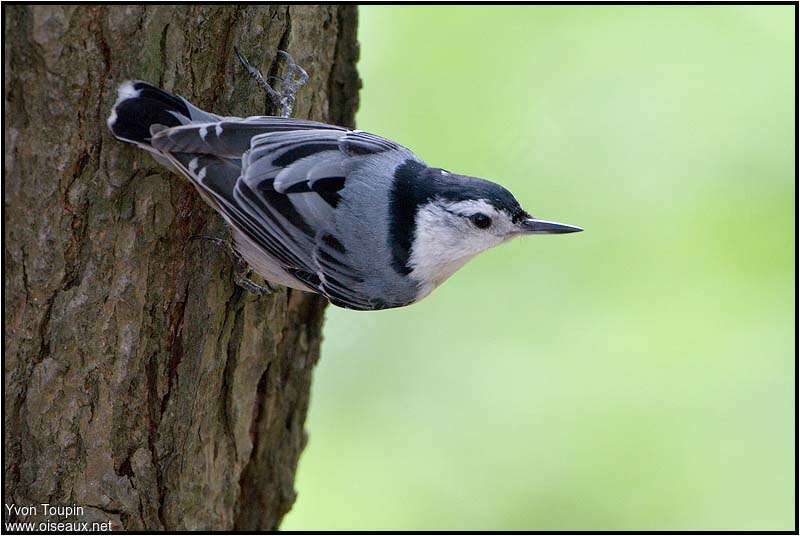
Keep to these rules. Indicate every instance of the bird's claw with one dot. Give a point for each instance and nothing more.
(290, 84)
(241, 279)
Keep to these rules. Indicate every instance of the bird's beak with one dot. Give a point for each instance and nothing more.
(534, 226)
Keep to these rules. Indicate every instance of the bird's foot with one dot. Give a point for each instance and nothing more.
(242, 278)
(241, 271)
(282, 99)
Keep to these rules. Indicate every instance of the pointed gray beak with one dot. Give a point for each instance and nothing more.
(534, 226)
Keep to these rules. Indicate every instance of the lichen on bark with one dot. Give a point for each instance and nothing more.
(139, 381)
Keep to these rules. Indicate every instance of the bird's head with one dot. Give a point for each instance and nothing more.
(460, 217)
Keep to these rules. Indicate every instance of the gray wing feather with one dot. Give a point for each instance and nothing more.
(230, 137)
(297, 175)
(277, 181)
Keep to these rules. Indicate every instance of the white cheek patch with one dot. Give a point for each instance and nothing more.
(445, 239)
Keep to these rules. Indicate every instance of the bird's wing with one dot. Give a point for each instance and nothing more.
(231, 136)
(278, 182)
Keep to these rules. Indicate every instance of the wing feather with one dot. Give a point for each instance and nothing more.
(277, 181)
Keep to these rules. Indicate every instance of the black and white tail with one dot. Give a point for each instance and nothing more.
(142, 110)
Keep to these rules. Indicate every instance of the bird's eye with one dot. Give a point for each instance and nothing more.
(481, 221)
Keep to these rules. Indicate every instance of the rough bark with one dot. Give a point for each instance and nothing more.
(140, 383)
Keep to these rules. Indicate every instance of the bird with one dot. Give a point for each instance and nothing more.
(352, 216)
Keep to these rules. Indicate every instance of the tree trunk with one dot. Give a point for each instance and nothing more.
(140, 383)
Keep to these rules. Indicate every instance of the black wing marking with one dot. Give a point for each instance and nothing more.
(356, 143)
(216, 178)
(298, 177)
(277, 181)
(230, 137)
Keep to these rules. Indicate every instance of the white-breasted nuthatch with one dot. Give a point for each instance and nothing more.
(350, 215)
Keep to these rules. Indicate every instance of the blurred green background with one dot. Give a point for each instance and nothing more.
(635, 376)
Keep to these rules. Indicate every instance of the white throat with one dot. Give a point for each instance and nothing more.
(444, 242)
